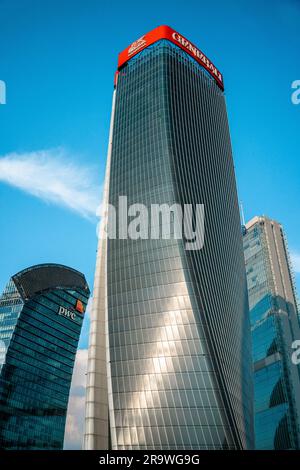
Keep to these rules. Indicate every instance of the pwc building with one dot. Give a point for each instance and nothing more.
(41, 315)
(170, 352)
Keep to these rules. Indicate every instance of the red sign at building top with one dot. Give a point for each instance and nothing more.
(165, 32)
(79, 306)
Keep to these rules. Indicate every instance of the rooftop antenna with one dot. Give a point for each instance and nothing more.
(244, 230)
(242, 214)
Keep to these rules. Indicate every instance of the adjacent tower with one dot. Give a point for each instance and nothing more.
(170, 353)
(41, 314)
(274, 323)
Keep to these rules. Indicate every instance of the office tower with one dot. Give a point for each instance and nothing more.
(274, 325)
(41, 314)
(169, 355)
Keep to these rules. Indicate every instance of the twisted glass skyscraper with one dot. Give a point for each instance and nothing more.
(41, 314)
(169, 355)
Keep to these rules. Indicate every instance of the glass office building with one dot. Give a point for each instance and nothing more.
(41, 314)
(274, 324)
(169, 355)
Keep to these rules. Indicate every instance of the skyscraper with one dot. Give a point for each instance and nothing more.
(41, 314)
(274, 324)
(169, 355)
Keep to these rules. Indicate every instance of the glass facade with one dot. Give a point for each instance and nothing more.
(41, 315)
(177, 327)
(274, 325)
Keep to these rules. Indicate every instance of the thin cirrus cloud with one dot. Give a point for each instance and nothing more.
(52, 176)
(295, 258)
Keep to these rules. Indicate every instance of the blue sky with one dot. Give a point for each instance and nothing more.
(58, 59)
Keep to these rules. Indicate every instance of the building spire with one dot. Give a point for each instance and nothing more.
(242, 214)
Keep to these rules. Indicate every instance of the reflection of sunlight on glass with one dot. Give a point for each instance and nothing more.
(2, 352)
(160, 354)
(163, 364)
(134, 436)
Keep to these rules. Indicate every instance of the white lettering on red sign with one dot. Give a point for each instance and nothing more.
(136, 45)
(185, 43)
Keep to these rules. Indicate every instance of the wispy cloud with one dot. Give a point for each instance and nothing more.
(75, 417)
(52, 176)
(295, 258)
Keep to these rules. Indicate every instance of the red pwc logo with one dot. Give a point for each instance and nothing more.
(79, 306)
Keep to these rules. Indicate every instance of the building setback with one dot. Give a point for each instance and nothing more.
(169, 354)
(274, 324)
(41, 314)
